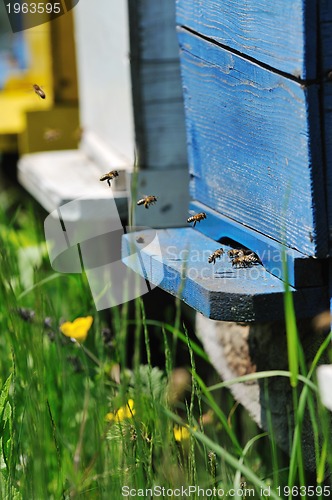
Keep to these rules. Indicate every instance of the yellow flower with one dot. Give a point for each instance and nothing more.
(181, 432)
(125, 412)
(77, 329)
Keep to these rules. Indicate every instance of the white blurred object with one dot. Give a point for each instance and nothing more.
(324, 377)
(103, 66)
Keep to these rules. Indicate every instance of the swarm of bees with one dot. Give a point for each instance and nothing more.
(239, 257)
(109, 176)
(215, 255)
(243, 257)
(147, 201)
(39, 91)
(196, 218)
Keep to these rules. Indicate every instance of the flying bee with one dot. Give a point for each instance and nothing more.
(39, 91)
(52, 134)
(196, 218)
(215, 255)
(245, 260)
(147, 200)
(109, 176)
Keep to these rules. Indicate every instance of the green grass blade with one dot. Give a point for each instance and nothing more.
(262, 375)
(300, 411)
(226, 456)
(215, 407)
(291, 328)
(246, 449)
(177, 333)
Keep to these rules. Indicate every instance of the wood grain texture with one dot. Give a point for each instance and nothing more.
(254, 145)
(281, 34)
(217, 291)
(156, 83)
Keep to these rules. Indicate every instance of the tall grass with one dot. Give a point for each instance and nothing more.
(61, 434)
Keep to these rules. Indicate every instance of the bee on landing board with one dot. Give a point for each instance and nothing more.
(240, 252)
(245, 260)
(196, 218)
(109, 176)
(147, 200)
(215, 255)
(39, 91)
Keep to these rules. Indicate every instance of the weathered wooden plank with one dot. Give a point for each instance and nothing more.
(254, 145)
(218, 291)
(156, 84)
(161, 80)
(281, 34)
(155, 29)
(162, 136)
(159, 114)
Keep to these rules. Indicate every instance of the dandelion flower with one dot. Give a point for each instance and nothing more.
(181, 433)
(78, 329)
(124, 413)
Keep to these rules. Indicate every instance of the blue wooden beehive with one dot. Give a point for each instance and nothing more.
(257, 85)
